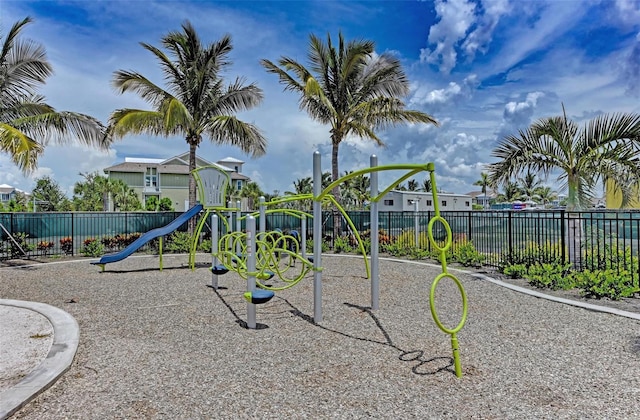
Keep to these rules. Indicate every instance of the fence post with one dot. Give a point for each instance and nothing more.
(416, 224)
(510, 233)
(73, 225)
(563, 243)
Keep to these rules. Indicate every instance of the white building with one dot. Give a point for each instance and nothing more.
(405, 201)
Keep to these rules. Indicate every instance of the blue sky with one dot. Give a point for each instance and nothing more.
(483, 69)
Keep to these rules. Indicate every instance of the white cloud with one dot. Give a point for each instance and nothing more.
(630, 71)
(438, 99)
(480, 37)
(456, 17)
(628, 12)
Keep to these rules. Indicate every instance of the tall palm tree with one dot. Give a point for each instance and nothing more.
(426, 185)
(196, 102)
(529, 184)
(606, 148)
(27, 123)
(483, 183)
(349, 88)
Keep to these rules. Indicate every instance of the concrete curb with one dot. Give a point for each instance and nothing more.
(66, 335)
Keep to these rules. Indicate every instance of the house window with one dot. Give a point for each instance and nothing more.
(151, 178)
(239, 185)
(444, 203)
(466, 203)
(388, 202)
(428, 202)
(236, 168)
(4, 197)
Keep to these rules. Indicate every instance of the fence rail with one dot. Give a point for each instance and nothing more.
(593, 235)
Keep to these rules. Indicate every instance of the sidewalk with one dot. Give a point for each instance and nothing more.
(38, 343)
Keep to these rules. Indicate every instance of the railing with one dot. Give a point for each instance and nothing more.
(579, 238)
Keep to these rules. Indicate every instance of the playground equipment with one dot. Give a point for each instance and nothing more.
(376, 196)
(152, 234)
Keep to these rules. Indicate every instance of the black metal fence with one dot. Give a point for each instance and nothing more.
(579, 238)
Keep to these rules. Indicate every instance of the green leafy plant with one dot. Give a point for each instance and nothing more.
(515, 271)
(467, 255)
(205, 246)
(341, 244)
(609, 283)
(532, 253)
(21, 239)
(179, 243)
(92, 248)
(551, 276)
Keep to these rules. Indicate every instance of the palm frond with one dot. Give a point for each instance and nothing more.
(126, 81)
(230, 130)
(24, 150)
(135, 121)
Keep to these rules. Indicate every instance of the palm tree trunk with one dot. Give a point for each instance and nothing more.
(193, 145)
(337, 220)
(574, 224)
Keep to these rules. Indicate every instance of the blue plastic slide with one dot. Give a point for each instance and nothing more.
(154, 233)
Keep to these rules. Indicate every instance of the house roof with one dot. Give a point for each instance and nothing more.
(174, 165)
(230, 159)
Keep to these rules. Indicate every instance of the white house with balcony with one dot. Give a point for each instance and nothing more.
(397, 200)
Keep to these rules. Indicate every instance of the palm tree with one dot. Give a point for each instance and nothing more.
(196, 103)
(483, 182)
(349, 88)
(529, 184)
(253, 192)
(27, 123)
(426, 185)
(511, 192)
(124, 197)
(546, 195)
(604, 149)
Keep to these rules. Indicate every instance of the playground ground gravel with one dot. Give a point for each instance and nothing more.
(161, 344)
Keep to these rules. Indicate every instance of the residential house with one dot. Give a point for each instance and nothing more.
(170, 177)
(396, 200)
(8, 193)
(483, 200)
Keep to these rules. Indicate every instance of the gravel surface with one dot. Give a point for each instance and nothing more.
(160, 344)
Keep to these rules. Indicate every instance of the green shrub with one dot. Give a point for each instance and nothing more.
(418, 253)
(609, 283)
(397, 250)
(151, 203)
(532, 253)
(324, 245)
(341, 244)
(92, 248)
(515, 271)
(21, 240)
(551, 276)
(205, 246)
(179, 243)
(467, 255)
